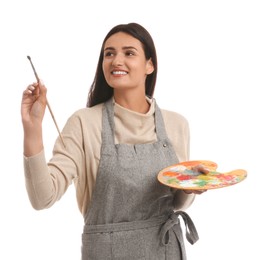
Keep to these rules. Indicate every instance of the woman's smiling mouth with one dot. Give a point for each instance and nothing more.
(119, 72)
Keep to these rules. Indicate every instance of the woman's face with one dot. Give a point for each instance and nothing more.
(124, 63)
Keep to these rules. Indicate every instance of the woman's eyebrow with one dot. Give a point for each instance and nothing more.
(129, 47)
(109, 49)
(123, 48)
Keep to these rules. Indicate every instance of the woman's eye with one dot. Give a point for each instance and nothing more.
(108, 54)
(130, 53)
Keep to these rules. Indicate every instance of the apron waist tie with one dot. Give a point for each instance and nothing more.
(125, 226)
(170, 223)
(173, 223)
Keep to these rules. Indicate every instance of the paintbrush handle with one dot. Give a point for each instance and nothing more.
(52, 114)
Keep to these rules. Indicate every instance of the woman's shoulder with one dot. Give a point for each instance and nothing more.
(89, 112)
(86, 117)
(174, 117)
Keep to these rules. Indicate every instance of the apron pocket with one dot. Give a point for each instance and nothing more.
(96, 246)
(128, 245)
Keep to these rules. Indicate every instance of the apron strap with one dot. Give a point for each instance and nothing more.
(108, 123)
(159, 123)
(191, 232)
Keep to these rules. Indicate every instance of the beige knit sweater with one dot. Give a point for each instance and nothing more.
(78, 162)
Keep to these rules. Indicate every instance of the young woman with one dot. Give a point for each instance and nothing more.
(113, 152)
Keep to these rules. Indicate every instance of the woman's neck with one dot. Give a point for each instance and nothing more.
(137, 103)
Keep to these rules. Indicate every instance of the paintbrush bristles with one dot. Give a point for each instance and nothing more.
(34, 70)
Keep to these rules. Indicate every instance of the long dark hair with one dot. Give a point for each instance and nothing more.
(100, 91)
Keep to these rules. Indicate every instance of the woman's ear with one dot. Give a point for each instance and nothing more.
(149, 67)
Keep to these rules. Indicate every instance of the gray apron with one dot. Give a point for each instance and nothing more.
(131, 215)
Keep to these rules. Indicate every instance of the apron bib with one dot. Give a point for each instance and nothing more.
(131, 215)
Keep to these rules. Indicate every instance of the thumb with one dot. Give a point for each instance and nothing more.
(200, 169)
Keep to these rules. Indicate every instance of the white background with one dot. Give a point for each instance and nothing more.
(212, 63)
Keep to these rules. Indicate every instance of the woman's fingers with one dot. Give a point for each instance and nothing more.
(198, 192)
(33, 102)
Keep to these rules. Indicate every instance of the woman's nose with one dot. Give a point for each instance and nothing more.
(118, 60)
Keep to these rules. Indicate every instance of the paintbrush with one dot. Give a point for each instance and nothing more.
(48, 105)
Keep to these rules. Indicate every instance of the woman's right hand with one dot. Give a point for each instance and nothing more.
(33, 104)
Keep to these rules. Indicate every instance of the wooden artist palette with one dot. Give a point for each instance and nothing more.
(181, 176)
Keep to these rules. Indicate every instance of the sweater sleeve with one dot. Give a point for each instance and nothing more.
(182, 200)
(38, 182)
(46, 182)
